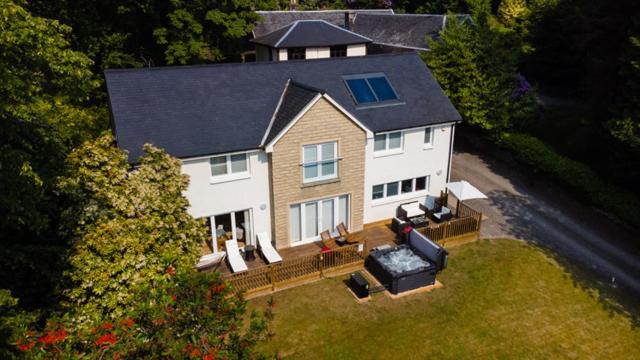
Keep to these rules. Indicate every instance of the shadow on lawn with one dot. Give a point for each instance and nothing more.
(538, 219)
(536, 223)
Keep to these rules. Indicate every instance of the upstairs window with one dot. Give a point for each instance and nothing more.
(428, 137)
(296, 53)
(388, 141)
(320, 162)
(229, 164)
(370, 88)
(338, 51)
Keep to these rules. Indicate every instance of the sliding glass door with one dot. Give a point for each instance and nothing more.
(308, 220)
(236, 225)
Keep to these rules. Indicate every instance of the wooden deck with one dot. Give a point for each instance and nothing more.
(373, 235)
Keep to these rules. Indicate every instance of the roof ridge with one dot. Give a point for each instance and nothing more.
(293, 26)
(258, 63)
(324, 11)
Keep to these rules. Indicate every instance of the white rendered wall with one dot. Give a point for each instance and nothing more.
(317, 53)
(207, 198)
(357, 50)
(414, 161)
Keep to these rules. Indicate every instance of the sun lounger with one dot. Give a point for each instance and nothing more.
(234, 257)
(268, 251)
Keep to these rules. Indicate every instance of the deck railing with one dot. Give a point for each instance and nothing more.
(466, 223)
(288, 272)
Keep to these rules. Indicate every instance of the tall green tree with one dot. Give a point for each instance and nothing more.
(44, 88)
(129, 227)
(132, 33)
(477, 68)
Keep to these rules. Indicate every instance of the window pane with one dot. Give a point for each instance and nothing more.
(343, 210)
(328, 151)
(218, 165)
(238, 163)
(392, 189)
(294, 220)
(379, 142)
(361, 91)
(421, 183)
(311, 220)
(382, 88)
(310, 154)
(327, 215)
(395, 140)
(378, 192)
(310, 171)
(427, 135)
(329, 168)
(407, 186)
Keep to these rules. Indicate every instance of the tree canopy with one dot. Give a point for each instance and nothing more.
(128, 227)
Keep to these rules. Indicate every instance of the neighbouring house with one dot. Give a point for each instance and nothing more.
(385, 30)
(292, 148)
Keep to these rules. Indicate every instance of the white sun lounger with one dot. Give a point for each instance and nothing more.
(270, 254)
(234, 257)
(210, 260)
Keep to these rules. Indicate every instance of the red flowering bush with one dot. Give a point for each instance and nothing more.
(196, 316)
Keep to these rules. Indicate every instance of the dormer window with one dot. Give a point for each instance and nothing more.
(370, 88)
(298, 53)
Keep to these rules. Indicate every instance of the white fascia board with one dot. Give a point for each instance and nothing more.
(273, 117)
(269, 147)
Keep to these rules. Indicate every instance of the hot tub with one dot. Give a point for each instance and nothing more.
(400, 269)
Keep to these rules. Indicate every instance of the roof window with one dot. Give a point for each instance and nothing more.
(370, 88)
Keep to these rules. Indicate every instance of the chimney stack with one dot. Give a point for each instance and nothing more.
(347, 21)
(293, 5)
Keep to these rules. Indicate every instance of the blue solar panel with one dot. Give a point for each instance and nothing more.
(361, 91)
(382, 88)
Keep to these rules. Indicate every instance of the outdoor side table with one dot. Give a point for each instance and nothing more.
(249, 253)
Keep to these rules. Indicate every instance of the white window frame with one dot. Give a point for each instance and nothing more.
(400, 195)
(318, 162)
(319, 220)
(230, 176)
(213, 228)
(386, 150)
(428, 145)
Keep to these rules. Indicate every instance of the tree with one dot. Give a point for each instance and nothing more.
(126, 33)
(477, 69)
(190, 316)
(43, 113)
(129, 228)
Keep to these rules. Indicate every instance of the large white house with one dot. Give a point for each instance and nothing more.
(293, 148)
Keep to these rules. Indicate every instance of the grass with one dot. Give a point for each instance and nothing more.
(501, 299)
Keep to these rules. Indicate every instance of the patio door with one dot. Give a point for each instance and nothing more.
(308, 220)
(236, 225)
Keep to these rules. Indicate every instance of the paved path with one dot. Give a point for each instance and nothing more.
(530, 209)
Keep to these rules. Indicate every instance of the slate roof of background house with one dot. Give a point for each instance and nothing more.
(294, 99)
(405, 30)
(274, 20)
(209, 109)
(308, 33)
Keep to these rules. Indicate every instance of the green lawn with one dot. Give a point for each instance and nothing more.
(501, 299)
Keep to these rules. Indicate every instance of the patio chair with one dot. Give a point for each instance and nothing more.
(443, 215)
(234, 257)
(431, 204)
(344, 234)
(270, 254)
(329, 241)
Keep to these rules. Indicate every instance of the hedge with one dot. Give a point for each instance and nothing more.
(578, 176)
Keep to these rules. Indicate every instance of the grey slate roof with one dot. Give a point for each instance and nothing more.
(308, 33)
(201, 110)
(294, 99)
(274, 20)
(405, 30)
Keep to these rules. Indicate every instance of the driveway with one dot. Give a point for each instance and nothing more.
(531, 209)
